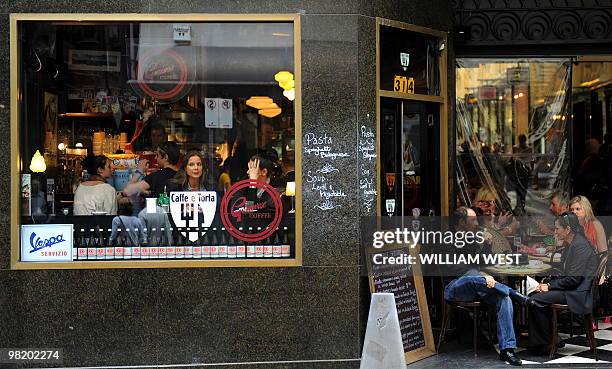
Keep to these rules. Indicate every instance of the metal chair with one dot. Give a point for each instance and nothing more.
(588, 318)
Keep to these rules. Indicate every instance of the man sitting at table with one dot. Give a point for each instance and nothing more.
(475, 285)
(559, 204)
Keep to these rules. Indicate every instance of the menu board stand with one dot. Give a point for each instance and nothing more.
(406, 283)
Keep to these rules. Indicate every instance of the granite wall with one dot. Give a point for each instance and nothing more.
(180, 316)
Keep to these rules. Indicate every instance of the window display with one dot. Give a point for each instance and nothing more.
(157, 141)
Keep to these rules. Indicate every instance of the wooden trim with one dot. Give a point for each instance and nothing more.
(414, 97)
(444, 133)
(410, 27)
(594, 58)
(15, 18)
(137, 17)
(174, 263)
(378, 161)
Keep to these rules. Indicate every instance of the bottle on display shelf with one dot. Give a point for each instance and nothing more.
(128, 250)
(100, 247)
(240, 247)
(171, 248)
(222, 244)
(232, 247)
(197, 247)
(179, 250)
(136, 248)
(267, 247)
(119, 248)
(188, 247)
(251, 248)
(276, 245)
(259, 247)
(91, 246)
(153, 242)
(285, 245)
(145, 249)
(205, 242)
(82, 247)
(214, 244)
(162, 247)
(109, 248)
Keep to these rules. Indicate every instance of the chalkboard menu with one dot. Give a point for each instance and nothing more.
(410, 300)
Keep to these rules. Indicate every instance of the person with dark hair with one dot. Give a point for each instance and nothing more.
(571, 286)
(167, 156)
(128, 226)
(95, 196)
(191, 177)
(475, 285)
(559, 204)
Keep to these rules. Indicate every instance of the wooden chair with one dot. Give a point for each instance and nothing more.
(474, 307)
(588, 318)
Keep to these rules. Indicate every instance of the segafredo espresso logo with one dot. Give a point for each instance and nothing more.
(38, 243)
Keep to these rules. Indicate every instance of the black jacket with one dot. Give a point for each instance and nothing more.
(578, 267)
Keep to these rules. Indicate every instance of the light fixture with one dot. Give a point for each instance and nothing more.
(78, 144)
(283, 77)
(258, 102)
(290, 191)
(287, 85)
(38, 163)
(270, 113)
(289, 94)
(61, 146)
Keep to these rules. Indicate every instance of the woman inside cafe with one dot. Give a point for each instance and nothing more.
(593, 229)
(571, 285)
(191, 176)
(95, 196)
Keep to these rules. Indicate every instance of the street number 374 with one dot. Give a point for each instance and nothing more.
(403, 84)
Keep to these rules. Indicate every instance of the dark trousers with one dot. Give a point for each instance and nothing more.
(540, 318)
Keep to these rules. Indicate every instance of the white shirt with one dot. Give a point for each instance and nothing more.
(98, 198)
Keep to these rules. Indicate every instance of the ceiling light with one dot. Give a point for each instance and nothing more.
(259, 102)
(270, 113)
(287, 85)
(289, 94)
(283, 76)
(37, 165)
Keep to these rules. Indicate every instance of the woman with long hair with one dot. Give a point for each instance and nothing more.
(593, 229)
(191, 176)
(95, 196)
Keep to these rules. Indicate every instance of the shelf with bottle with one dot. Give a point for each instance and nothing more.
(214, 243)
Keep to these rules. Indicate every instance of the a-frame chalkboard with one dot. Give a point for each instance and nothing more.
(406, 283)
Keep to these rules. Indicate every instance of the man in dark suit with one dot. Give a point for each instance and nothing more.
(572, 285)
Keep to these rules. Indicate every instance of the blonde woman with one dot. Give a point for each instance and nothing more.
(485, 204)
(593, 229)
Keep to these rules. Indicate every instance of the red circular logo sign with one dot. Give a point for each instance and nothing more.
(163, 75)
(237, 213)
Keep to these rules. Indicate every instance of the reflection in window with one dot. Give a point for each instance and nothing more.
(127, 113)
(511, 132)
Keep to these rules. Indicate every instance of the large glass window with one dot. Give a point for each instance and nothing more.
(512, 137)
(157, 141)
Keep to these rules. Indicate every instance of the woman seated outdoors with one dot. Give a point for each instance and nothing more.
(571, 285)
(95, 196)
(593, 229)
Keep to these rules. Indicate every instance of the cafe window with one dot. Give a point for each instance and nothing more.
(513, 141)
(151, 142)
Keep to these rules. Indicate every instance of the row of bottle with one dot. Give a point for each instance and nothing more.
(98, 247)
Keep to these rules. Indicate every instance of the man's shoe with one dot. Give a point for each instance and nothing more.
(533, 303)
(509, 357)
